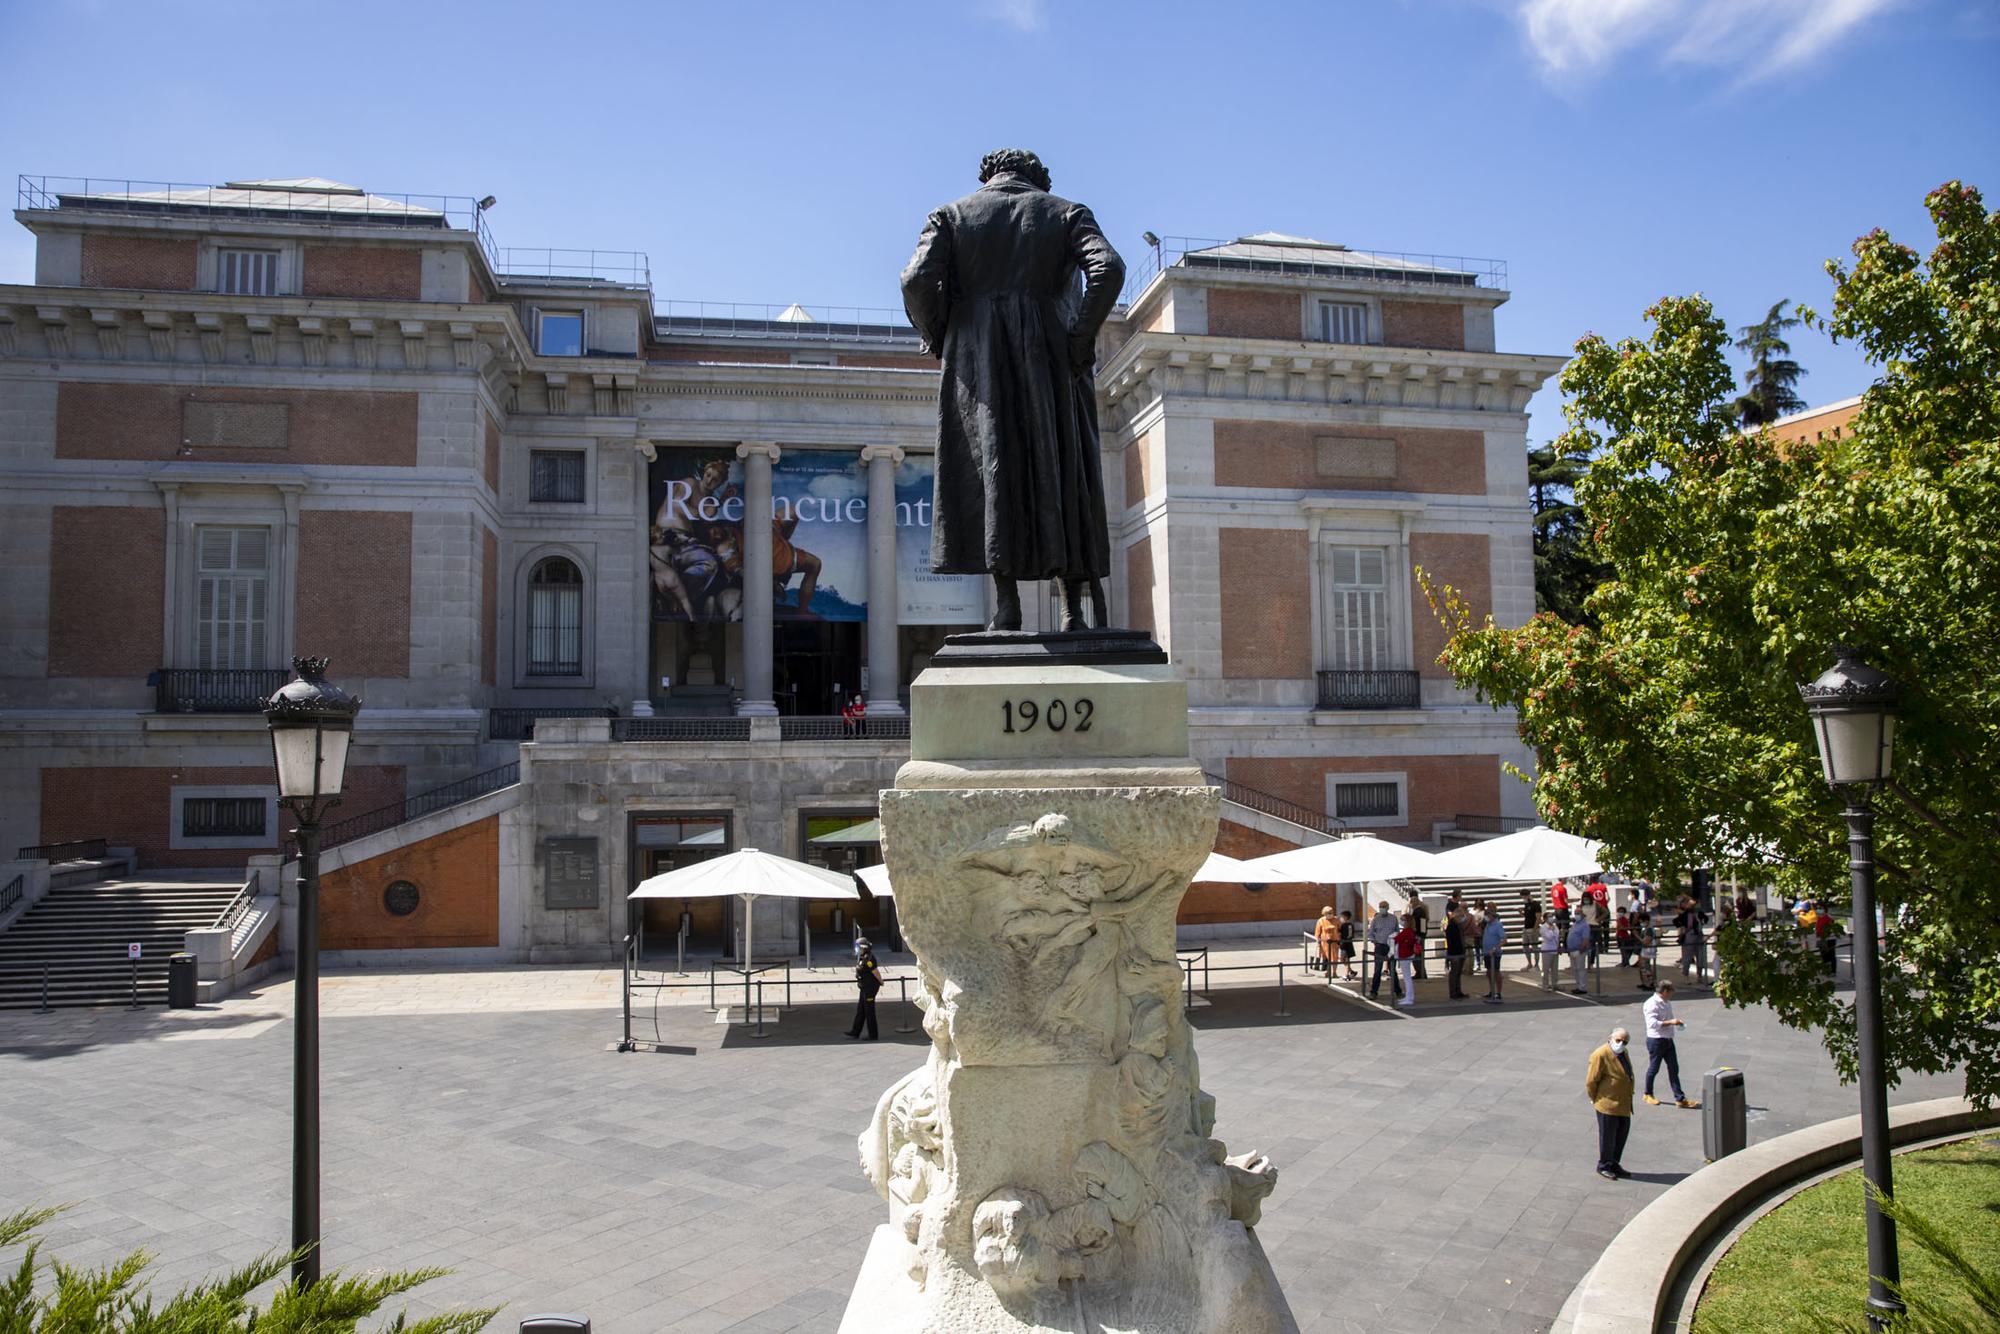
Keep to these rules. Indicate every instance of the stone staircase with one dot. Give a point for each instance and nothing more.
(77, 937)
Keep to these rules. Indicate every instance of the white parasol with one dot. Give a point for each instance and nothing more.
(750, 874)
(877, 880)
(1540, 853)
(1231, 871)
(1350, 860)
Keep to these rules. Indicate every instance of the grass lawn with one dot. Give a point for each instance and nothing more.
(1809, 1256)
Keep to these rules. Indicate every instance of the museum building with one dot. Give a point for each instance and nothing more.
(520, 503)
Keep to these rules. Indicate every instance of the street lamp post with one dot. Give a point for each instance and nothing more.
(311, 720)
(1853, 710)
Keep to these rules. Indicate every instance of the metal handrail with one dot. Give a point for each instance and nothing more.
(1270, 804)
(12, 894)
(237, 908)
(1493, 824)
(680, 729)
(216, 689)
(741, 319)
(424, 803)
(80, 849)
(372, 208)
(1371, 688)
(627, 268)
(1401, 267)
(833, 727)
(519, 724)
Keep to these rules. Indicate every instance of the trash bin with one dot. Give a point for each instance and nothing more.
(1724, 1113)
(556, 1324)
(180, 982)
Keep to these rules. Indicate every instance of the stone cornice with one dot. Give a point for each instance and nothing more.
(1155, 365)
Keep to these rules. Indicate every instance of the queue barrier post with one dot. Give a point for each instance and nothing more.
(760, 1033)
(903, 985)
(1283, 1013)
(625, 991)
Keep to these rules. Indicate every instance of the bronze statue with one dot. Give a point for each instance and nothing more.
(993, 290)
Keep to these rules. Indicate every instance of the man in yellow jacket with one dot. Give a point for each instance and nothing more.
(1609, 1086)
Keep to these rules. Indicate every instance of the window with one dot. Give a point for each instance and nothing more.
(556, 475)
(223, 817)
(1358, 608)
(555, 619)
(1366, 801)
(1343, 322)
(559, 333)
(232, 570)
(247, 272)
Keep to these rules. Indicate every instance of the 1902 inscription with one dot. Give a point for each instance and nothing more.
(1057, 715)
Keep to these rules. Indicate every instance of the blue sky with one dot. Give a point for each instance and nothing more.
(1610, 151)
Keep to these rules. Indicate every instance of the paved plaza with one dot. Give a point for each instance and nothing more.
(1435, 1164)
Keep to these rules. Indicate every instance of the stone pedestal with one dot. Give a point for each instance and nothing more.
(1050, 1166)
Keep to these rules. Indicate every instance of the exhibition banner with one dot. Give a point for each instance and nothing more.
(818, 530)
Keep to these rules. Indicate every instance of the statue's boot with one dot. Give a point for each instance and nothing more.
(1069, 596)
(1006, 605)
(1100, 614)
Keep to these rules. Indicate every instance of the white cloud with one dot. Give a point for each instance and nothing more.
(1021, 15)
(1753, 38)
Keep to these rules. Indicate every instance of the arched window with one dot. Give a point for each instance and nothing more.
(555, 618)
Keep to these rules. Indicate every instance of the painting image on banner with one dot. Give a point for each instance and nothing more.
(924, 598)
(817, 528)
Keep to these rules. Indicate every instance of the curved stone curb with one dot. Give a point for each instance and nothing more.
(1627, 1291)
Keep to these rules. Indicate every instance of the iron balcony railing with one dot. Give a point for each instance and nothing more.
(1402, 267)
(423, 803)
(526, 264)
(733, 319)
(11, 895)
(519, 724)
(230, 916)
(1373, 689)
(1281, 807)
(76, 850)
(681, 729)
(1492, 824)
(800, 727)
(216, 689)
(370, 208)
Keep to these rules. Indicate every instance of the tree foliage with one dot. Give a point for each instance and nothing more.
(56, 1298)
(1673, 728)
(1771, 383)
(1566, 570)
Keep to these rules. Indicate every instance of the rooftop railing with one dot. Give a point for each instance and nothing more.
(624, 268)
(736, 319)
(370, 208)
(1345, 262)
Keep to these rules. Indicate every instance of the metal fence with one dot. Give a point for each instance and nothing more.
(1374, 689)
(238, 907)
(680, 729)
(372, 208)
(216, 689)
(12, 894)
(424, 803)
(803, 727)
(1493, 824)
(735, 319)
(1402, 267)
(1281, 807)
(76, 850)
(627, 268)
(519, 724)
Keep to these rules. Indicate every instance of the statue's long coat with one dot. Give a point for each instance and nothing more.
(992, 289)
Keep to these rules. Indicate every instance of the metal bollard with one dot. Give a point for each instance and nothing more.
(711, 988)
(135, 984)
(1283, 1013)
(1187, 967)
(626, 991)
(903, 983)
(681, 951)
(760, 1033)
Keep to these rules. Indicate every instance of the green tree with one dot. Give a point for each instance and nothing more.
(1673, 729)
(1566, 571)
(1772, 380)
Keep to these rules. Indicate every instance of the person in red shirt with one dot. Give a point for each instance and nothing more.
(853, 714)
(1559, 903)
(1406, 958)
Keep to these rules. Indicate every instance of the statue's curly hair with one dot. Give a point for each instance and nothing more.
(1015, 161)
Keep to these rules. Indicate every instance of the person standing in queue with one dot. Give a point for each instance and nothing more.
(1454, 955)
(1531, 927)
(1326, 934)
(868, 978)
(1608, 1085)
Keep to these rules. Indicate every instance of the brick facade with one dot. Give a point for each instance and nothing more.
(354, 591)
(154, 264)
(1463, 560)
(1310, 456)
(370, 271)
(358, 428)
(1423, 324)
(457, 875)
(1237, 312)
(132, 806)
(1438, 786)
(1267, 616)
(107, 590)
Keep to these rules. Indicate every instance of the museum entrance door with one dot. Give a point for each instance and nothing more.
(816, 665)
(665, 841)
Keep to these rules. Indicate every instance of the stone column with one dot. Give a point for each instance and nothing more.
(883, 601)
(757, 456)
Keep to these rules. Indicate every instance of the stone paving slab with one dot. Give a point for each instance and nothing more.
(1435, 1163)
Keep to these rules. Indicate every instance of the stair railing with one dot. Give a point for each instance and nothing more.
(239, 906)
(423, 803)
(11, 895)
(1271, 804)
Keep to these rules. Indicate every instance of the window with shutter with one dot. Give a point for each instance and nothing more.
(1358, 608)
(232, 574)
(1367, 801)
(1343, 322)
(555, 619)
(556, 475)
(247, 272)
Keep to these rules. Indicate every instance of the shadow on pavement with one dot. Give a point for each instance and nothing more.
(821, 1026)
(1257, 1007)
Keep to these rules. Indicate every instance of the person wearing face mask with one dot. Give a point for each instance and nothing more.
(1609, 1087)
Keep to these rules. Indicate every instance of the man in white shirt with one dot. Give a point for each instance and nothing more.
(1382, 936)
(1660, 1026)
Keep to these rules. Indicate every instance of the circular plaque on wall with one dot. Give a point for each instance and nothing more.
(400, 898)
